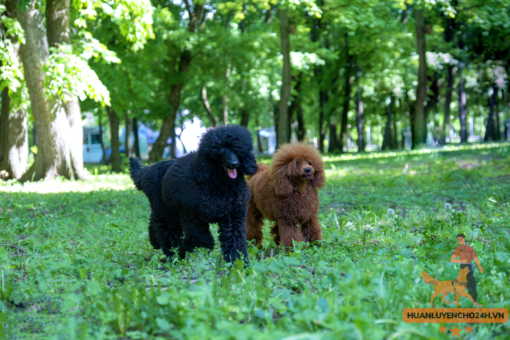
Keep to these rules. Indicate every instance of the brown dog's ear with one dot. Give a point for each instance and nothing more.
(281, 181)
(319, 179)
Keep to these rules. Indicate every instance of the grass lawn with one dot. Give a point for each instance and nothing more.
(76, 263)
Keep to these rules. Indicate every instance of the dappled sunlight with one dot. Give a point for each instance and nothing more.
(430, 151)
(117, 182)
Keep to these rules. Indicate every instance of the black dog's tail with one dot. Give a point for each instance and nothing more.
(135, 171)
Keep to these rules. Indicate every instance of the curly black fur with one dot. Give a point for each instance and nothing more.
(188, 193)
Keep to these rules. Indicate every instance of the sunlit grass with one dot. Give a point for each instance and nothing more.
(75, 259)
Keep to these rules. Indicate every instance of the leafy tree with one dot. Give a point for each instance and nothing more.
(13, 114)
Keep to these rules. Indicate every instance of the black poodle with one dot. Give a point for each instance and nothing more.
(206, 186)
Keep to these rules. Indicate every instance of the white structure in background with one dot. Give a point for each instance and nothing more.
(350, 143)
(188, 137)
(472, 138)
(268, 140)
(430, 138)
(92, 152)
(408, 138)
(369, 146)
(507, 129)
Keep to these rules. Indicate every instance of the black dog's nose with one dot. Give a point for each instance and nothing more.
(233, 164)
(307, 170)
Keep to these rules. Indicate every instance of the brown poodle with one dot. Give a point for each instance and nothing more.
(286, 193)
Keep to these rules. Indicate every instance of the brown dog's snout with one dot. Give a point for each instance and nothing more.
(306, 170)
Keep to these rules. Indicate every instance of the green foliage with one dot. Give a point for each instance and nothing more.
(11, 74)
(68, 75)
(11, 71)
(133, 17)
(75, 259)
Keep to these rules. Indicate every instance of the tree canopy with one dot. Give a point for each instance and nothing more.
(340, 74)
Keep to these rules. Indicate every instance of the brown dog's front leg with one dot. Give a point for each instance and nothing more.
(312, 230)
(289, 233)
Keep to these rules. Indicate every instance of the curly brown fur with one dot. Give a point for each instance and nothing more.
(287, 194)
(261, 167)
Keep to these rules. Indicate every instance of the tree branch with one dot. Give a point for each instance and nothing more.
(194, 15)
(207, 106)
(188, 8)
(229, 18)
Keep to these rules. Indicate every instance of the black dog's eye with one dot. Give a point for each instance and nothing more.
(297, 163)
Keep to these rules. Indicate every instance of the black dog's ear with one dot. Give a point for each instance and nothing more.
(249, 164)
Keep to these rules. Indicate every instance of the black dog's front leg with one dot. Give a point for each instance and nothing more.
(233, 236)
(196, 235)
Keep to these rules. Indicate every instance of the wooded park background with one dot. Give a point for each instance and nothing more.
(325, 71)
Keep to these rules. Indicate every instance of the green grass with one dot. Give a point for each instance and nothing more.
(76, 263)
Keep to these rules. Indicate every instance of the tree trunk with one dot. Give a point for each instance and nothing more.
(387, 131)
(225, 101)
(260, 147)
(347, 96)
(497, 131)
(490, 132)
(58, 33)
(245, 117)
(462, 106)
(360, 121)
(296, 109)
(323, 99)
(5, 110)
(127, 135)
(447, 103)
(57, 22)
(13, 140)
(137, 140)
(333, 141)
(56, 154)
(432, 101)
(394, 139)
(168, 127)
(115, 140)
(207, 106)
(421, 92)
(283, 107)
(301, 131)
(184, 62)
(448, 37)
(101, 140)
(314, 35)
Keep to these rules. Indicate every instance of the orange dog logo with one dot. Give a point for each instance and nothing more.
(457, 287)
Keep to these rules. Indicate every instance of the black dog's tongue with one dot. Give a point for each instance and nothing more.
(232, 173)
